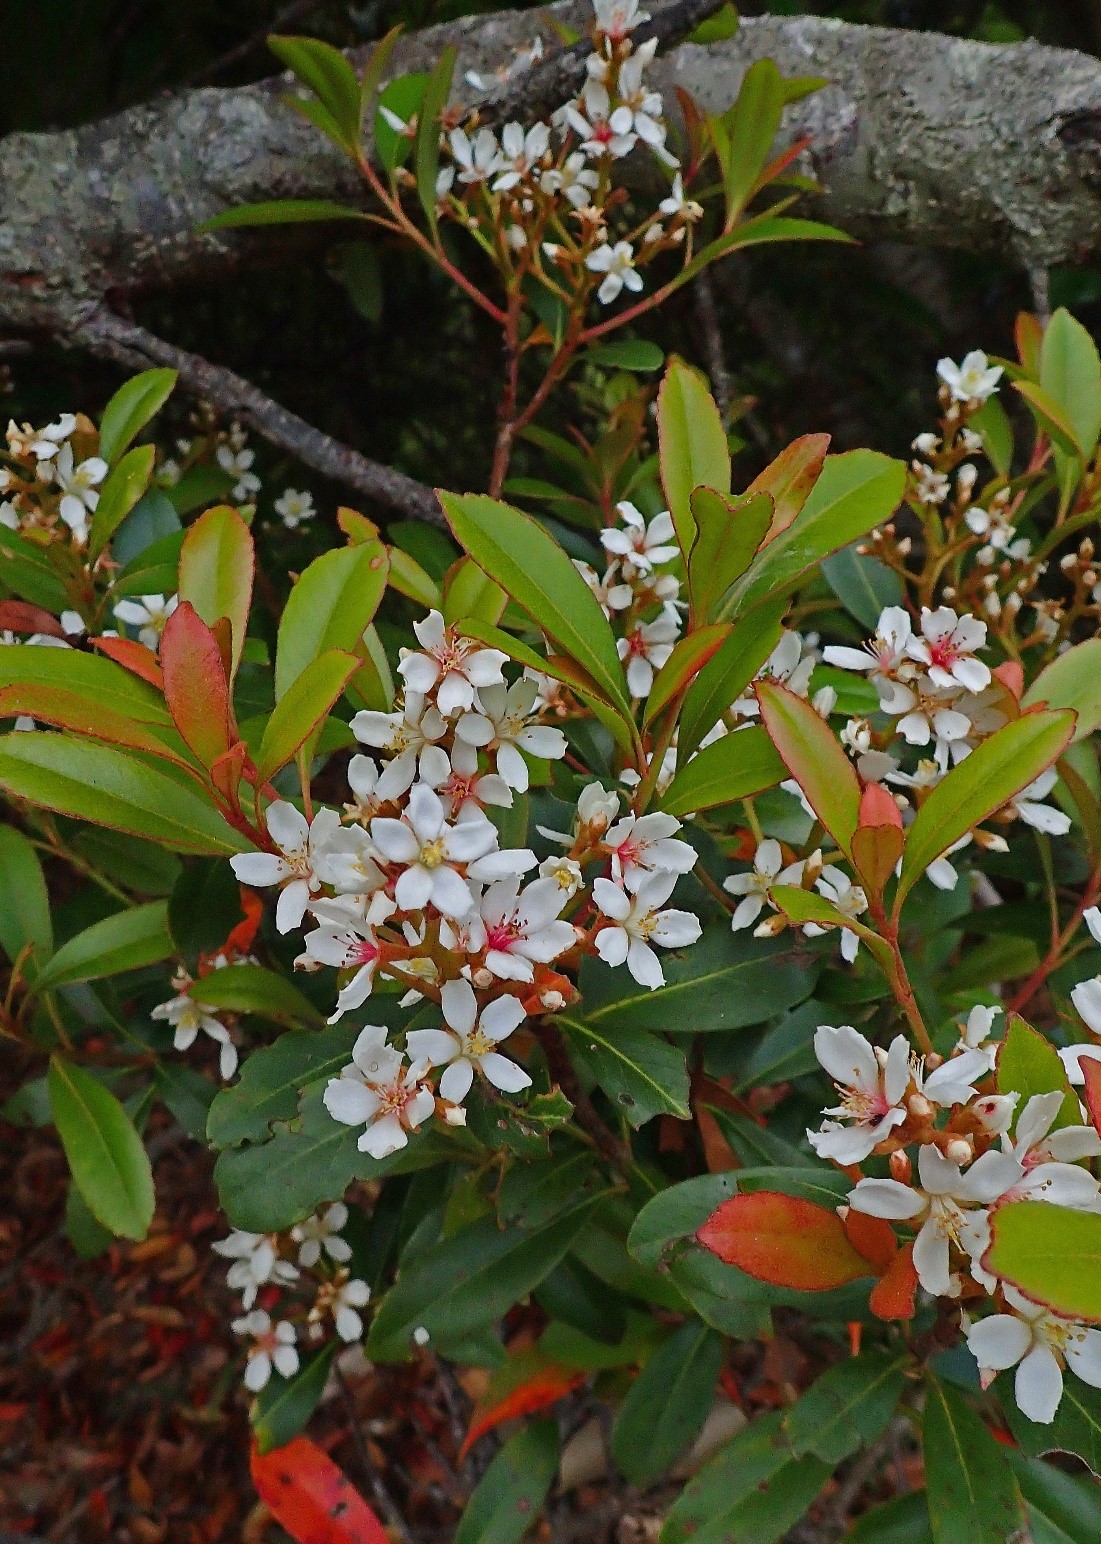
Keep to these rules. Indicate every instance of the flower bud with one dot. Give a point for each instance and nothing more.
(919, 1107)
(900, 1166)
(959, 1151)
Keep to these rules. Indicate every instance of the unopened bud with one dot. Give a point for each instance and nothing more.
(919, 1106)
(482, 977)
(959, 1151)
(934, 1060)
(552, 1001)
(900, 1166)
(421, 1337)
(455, 1115)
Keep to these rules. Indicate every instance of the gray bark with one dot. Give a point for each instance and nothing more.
(920, 138)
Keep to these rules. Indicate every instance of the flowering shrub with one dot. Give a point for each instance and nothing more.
(574, 959)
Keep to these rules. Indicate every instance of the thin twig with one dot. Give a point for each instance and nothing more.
(711, 338)
(109, 335)
(386, 1504)
(290, 16)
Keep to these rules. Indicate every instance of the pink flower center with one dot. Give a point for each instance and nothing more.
(363, 953)
(636, 644)
(502, 937)
(944, 652)
(602, 132)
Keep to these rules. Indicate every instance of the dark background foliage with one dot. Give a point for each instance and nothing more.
(394, 362)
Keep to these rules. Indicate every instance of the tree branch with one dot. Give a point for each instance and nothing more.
(104, 333)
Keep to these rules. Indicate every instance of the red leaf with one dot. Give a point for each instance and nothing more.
(19, 616)
(1012, 677)
(873, 1237)
(813, 755)
(541, 1383)
(783, 1240)
(311, 1498)
(878, 808)
(893, 1294)
(240, 939)
(195, 685)
(67, 709)
(1091, 1071)
(790, 478)
(136, 658)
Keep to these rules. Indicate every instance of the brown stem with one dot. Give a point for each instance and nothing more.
(502, 449)
(105, 333)
(1024, 994)
(899, 979)
(711, 337)
(562, 1071)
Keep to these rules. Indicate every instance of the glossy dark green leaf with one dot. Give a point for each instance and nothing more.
(734, 767)
(667, 1404)
(248, 988)
(693, 448)
(1076, 1428)
(905, 1520)
(972, 1495)
(505, 1503)
(108, 1161)
(24, 900)
(126, 941)
(186, 1094)
(848, 1406)
(284, 1405)
(862, 584)
(642, 1074)
(329, 76)
(728, 672)
(123, 486)
(627, 354)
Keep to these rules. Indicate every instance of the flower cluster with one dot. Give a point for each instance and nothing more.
(956, 1149)
(50, 479)
(542, 197)
(305, 1272)
(409, 884)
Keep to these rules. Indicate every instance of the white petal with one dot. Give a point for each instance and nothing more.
(259, 868)
(503, 1073)
(847, 1056)
(644, 965)
(1038, 1386)
(1084, 1357)
(434, 1046)
(999, 1341)
(384, 1137)
(287, 826)
(349, 1101)
(886, 1198)
(460, 1006)
(456, 1081)
(291, 906)
(931, 1260)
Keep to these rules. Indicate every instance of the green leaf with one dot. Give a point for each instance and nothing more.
(248, 988)
(30, 574)
(728, 533)
(284, 1405)
(1051, 418)
(972, 1495)
(847, 1407)
(693, 448)
(716, 29)
(667, 1404)
(88, 1237)
(813, 755)
(123, 487)
(280, 211)
(1029, 1064)
(216, 568)
(1062, 1508)
(24, 900)
(627, 354)
(734, 767)
(749, 127)
(759, 231)
(992, 422)
(905, 1520)
(128, 940)
(677, 1213)
(1070, 374)
(525, 560)
(994, 773)
(436, 92)
(403, 96)
(468, 592)
(302, 708)
(330, 607)
(688, 658)
(469, 1279)
(186, 1094)
(329, 76)
(272, 1079)
(1072, 680)
(1075, 1429)
(1051, 1253)
(506, 1501)
(722, 983)
(271, 1185)
(855, 492)
(727, 673)
(108, 1162)
(641, 1074)
(752, 1492)
(109, 788)
(862, 584)
(131, 408)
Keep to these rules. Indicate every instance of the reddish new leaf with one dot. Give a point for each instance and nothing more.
(195, 686)
(873, 1237)
(1091, 1071)
(878, 840)
(783, 1240)
(311, 1498)
(528, 1382)
(19, 616)
(813, 755)
(133, 656)
(790, 478)
(893, 1295)
(66, 709)
(688, 658)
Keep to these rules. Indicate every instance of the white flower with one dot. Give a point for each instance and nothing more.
(522, 927)
(1039, 1344)
(429, 848)
(643, 845)
(294, 867)
(502, 726)
(520, 154)
(187, 1018)
(237, 463)
(646, 648)
(617, 263)
(976, 1032)
(849, 899)
(790, 662)
(882, 656)
(641, 544)
(643, 104)
(755, 888)
(638, 922)
(1051, 1159)
(1092, 918)
(929, 487)
(343, 1304)
(255, 1263)
(43, 444)
(1086, 997)
(471, 1042)
(565, 872)
(451, 665)
(373, 1091)
(972, 381)
(410, 736)
(1073, 1055)
(574, 179)
(468, 790)
(947, 649)
(477, 157)
(78, 486)
(273, 1346)
(293, 507)
(347, 941)
(1028, 806)
(602, 131)
(951, 1206)
(616, 18)
(322, 1232)
(953, 1081)
(148, 613)
(871, 1082)
(927, 716)
(677, 204)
